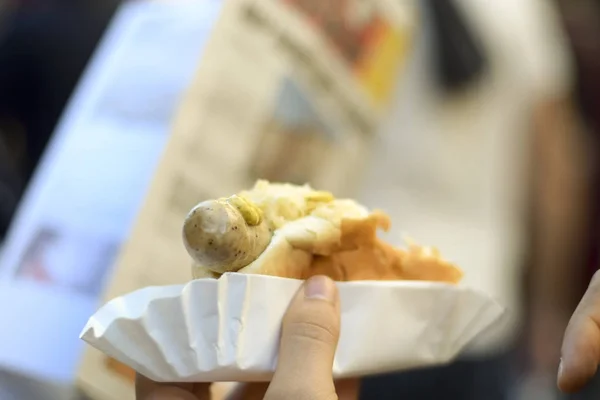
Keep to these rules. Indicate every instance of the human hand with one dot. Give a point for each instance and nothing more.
(310, 333)
(545, 334)
(581, 344)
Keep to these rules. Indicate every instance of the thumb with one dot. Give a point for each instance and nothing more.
(310, 332)
(581, 344)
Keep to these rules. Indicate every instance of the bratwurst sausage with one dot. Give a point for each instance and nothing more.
(225, 235)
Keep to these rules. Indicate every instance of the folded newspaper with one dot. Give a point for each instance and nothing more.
(400, 308)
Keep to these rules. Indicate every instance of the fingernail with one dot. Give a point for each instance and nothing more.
(560, 368)
(319, 287)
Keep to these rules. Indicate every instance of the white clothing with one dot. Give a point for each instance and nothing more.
(452, 173)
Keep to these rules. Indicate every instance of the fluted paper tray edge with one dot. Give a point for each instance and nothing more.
(228, 329)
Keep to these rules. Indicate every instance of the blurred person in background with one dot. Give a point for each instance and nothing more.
(582, 22)
(486, 160)
(44, 47)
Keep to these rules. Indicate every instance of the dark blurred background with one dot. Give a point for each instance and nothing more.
(46, 45)
(44, 48)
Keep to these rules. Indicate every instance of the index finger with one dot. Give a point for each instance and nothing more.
(347, 389)
(581, 344)
(148, 389)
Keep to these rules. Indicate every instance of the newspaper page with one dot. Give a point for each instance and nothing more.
(286, 90)
(86, 192)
